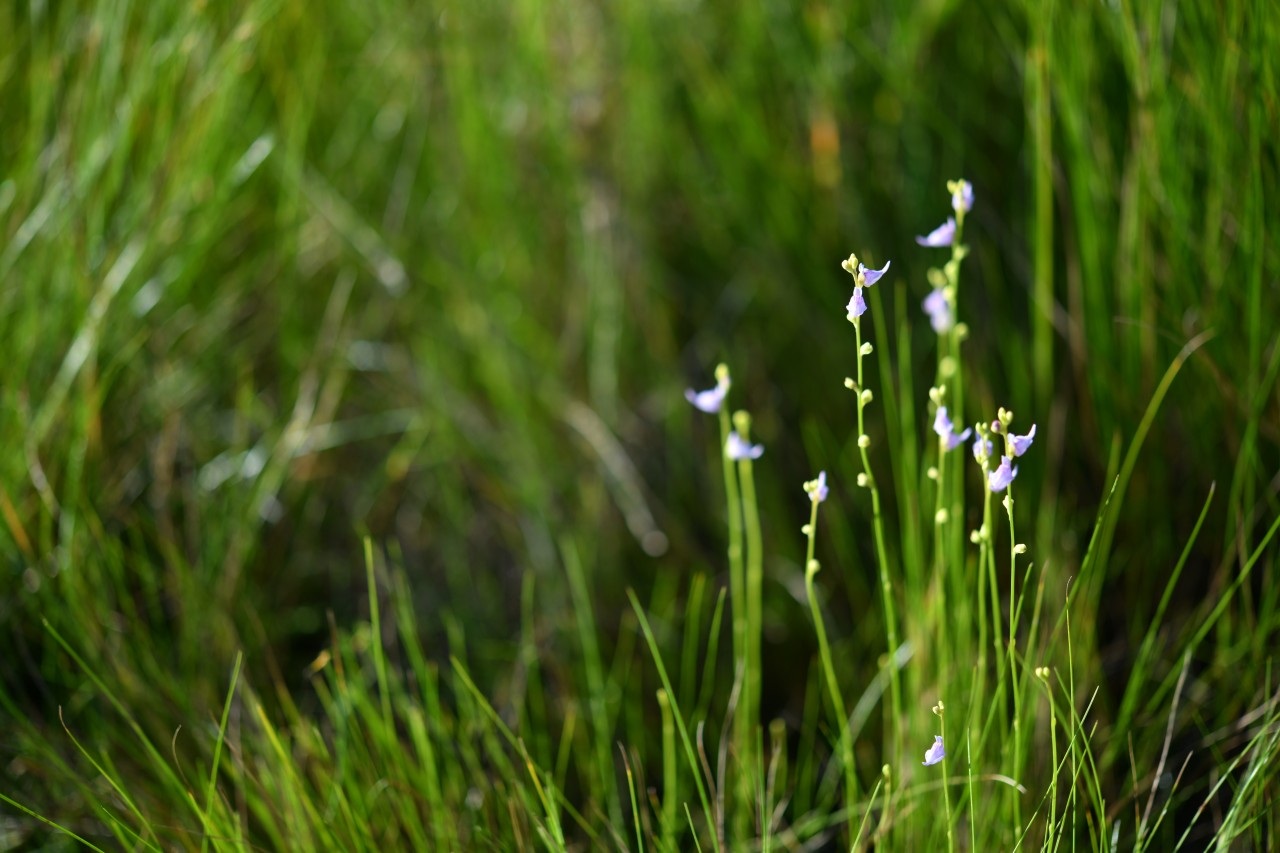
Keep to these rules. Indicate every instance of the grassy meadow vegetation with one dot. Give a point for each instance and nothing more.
(350, 499)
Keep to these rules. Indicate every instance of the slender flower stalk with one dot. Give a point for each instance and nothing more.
(817, 491)
(864, 277)
(749, 705)
(712, 401)
(938, 754)
(942, 306)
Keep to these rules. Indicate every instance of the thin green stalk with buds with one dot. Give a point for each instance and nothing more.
(867, 479)
(817, 490)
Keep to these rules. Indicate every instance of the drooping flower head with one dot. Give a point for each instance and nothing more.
(935, 753)
(1000, 478)
(946, 430)
(817, 489)
(943, 235)
(1021, 443)
(961, 196)
(938, 307)
(736, 448)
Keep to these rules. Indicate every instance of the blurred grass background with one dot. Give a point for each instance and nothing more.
(276, 275)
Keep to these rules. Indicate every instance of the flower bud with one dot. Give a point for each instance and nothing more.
(864, 441)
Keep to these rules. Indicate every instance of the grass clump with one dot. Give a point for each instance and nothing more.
(348, 500)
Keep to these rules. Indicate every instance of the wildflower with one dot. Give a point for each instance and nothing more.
(736, 448)
(961, 196)
(982, 449)
(862, 274)
(935, 753)
(946, 430)
(708, 401)
(857, 305)
(943, 235)
(1000, 478)
(939, 311)
(817, 489)
(1022, 442)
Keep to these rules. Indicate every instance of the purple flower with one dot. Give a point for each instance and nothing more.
(736, 448)
(940, 236)
(870, 276)
(1000, 478)
(946, 430)
(819, 490)
(708, 401)
(982, 447)
(939, 311)
(961, 196)
(857, 305)
(935, 753)
(1022, 442)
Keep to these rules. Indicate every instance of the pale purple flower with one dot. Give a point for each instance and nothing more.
(1000, 478)
(935, 753)
(870, 276)
(943, 235)
(939, 311)
(1022, 442)
(819, 492)
(946, 430)
(736, 448)
(982, 447)
(961, 196)
(857, 305)
(708, 401)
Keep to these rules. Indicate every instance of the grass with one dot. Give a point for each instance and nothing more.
(349, 496)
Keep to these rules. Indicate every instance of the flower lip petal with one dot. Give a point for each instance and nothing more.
(935, 753)
(857, 305)
(999, 479)
(737, 449)
(1021, 443)
(943, 235)
(708, 401)
(870, 276)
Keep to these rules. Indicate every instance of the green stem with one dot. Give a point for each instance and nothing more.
(890, 614)
(750, 707)
(829, 671)
(1012, 666)
(737, 579)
